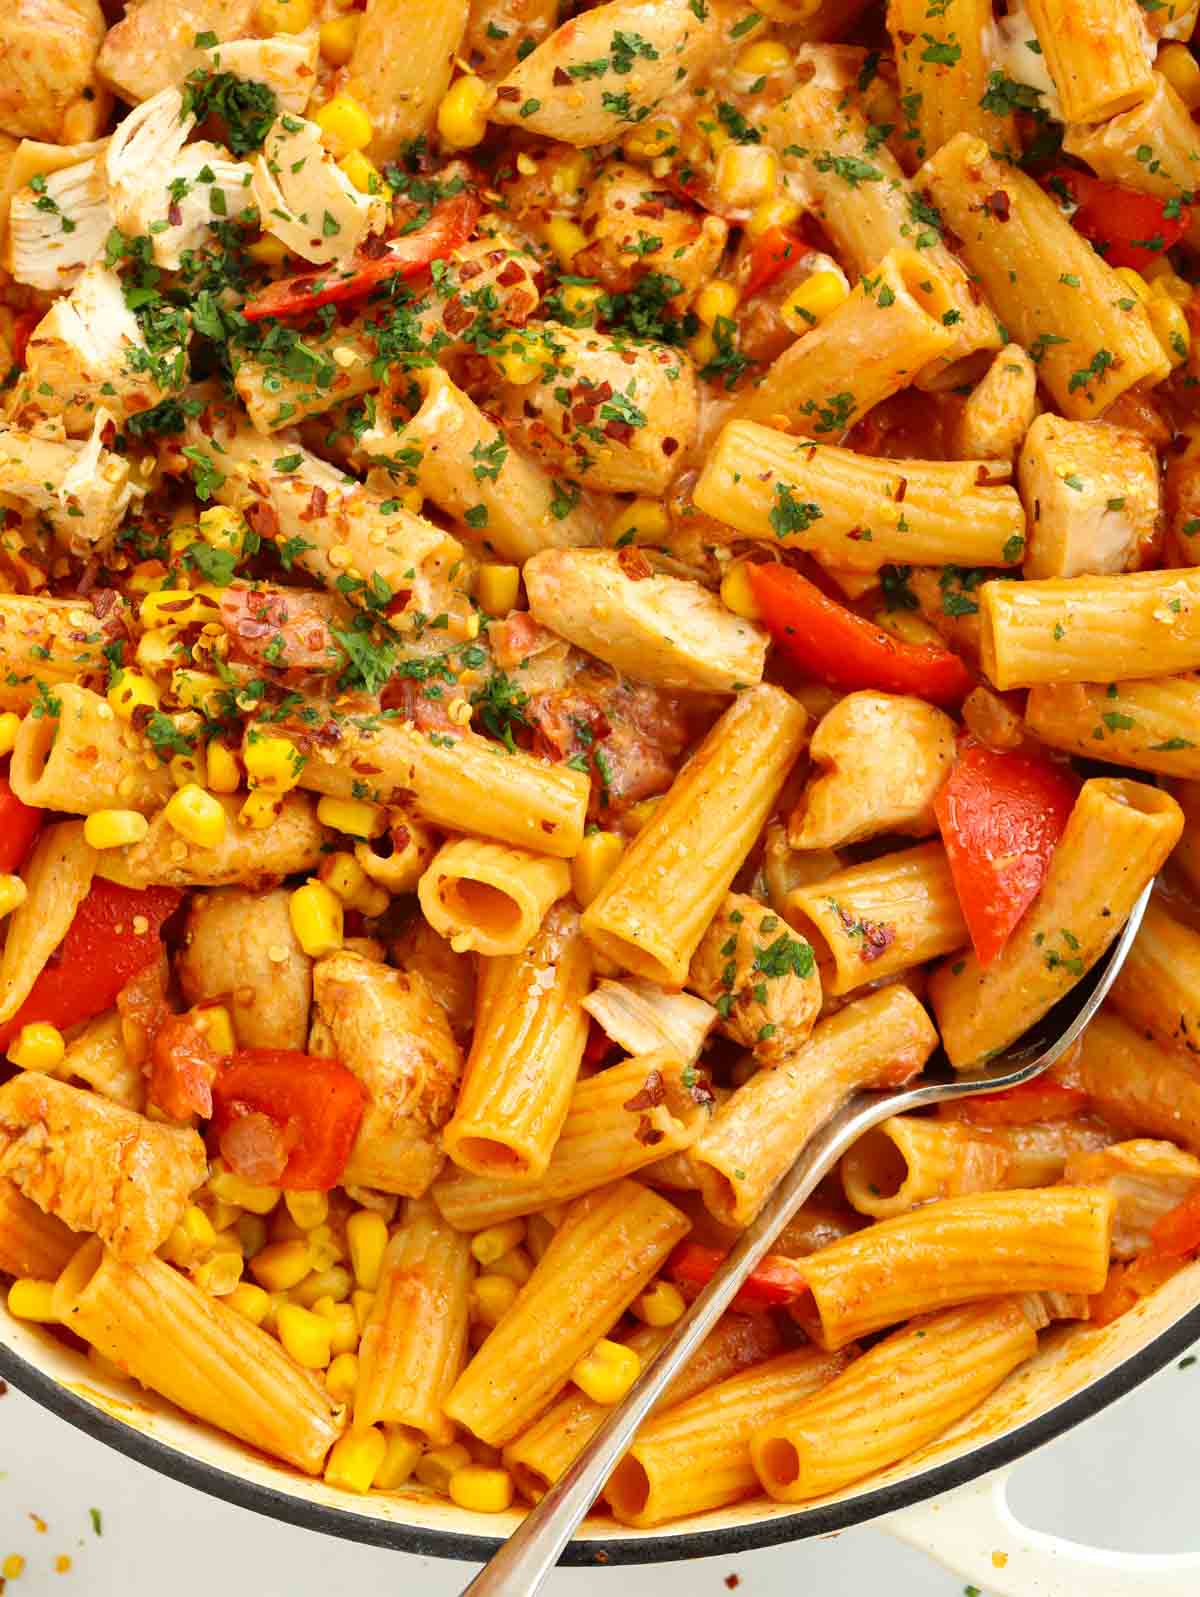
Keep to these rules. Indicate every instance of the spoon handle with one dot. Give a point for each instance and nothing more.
(531, 1552)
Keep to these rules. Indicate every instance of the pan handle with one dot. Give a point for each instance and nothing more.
(974, 1532)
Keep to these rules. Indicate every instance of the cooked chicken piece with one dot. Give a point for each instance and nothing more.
(86, 346)
(1148, 1178)
(660, 629)
(57, 224)
(1091, 492)
(83, 489)
(450, 977)
(286, 63)
(246, 856)
(306, 200)
(880, 760)
(239, 948)
(153, 44)
(386, 1026)
(47, 59)
(23, 160)
(635, 227)
(97, 1166)
(762, 978)
(641, 1017)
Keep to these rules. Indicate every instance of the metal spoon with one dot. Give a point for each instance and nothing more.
(531, 1552)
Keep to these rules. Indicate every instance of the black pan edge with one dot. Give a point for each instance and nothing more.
(348, 1525)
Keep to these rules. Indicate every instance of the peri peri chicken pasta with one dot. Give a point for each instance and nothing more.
(577, 584)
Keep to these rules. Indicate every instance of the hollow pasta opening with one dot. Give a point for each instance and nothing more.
(628, 1488)
(482, 906)
(874, 1170)
(484, 1155)
(779, 1461)
(926, 286)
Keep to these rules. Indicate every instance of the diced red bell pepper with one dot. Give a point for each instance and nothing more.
(19, 825)
(448, 227)
(1001, 815)
(828, 641)
(1128, 227)
(774, 1281)
(1177, 1232)
(183, 1067)
(771, 253)
(317, 1104)
(1025, 1105)
(106, 944)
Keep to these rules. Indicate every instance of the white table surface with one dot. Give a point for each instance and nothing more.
(1124, 1480)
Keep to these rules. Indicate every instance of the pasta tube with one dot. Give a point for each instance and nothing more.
(880, 1040)
(857, 511)
(1090, 629)
(50, 641)
(696, 1456)
(414, 1344)
(32, 1243)
(763, 981)
(465, 784)
(529, 1039)
(1131, 828)
(552, 1443)
(557, 93)
(908, 1161)
(1095, 52)
(1187, 850)
(881, 917)
(1090, 339)
(57, 877)
(401, 65)
(465, 463)
(239, 948)
(619, 1120)
(1153, 146)
(80, 758)
(96, 1166)
(651, 914)
(488, 898)
(203, 1356)
(878, 762)
(899, 1395)
(293, 843)
(608, 1247)
(1136, 1082)
(874, 344)
(943, 65)
(956, 1251)
(1152, 725)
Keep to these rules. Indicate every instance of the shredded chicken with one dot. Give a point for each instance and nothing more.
(83, 489)
(306, 200)
(153, 44)
(47, 61)
(641, 1017)
(57, 224)
(95, 1165)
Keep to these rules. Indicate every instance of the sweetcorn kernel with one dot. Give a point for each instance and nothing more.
(260, 810)
(219, 1274)
(345, 124)
(497, 589)
(132, 691)
(642, 520)
(178, 607)
(813, 300)
(487, 1491)
(461, 119)
(579, 300)
(305, 1335)
(13, 894)
(38, 1046)
(607, 1372)
(1178, 65)
(32, 1300)
(12, 1567)
(491, 1298)
(281, 1265)
(737, 594)
(355, 1459)
(186, 770)
(362, 1304)
(494, 1242)
(284, 16)
(216, 1024)
(10, 725)
(763, 58)
(267, 251)
(362, 172)
(316, 917)
(404, 1448)
(333, 1284)
(115, 828)
(337, 37)
(250, 1301)
(660, 1304)
(516, 1265)
(434, 1469)
(307, 1209)
(345, 1332)
(598, 857)
(565, 238)
(367, 1239)
(228, 1187)
(272, 762)
(778, 211)
(222, 527)
(341, 1377)
(222, 774)
(354, 816)
(196, 816)
(1171, 327)
(522, 358)
(717, 298)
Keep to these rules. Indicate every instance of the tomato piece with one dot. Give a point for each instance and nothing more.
(1177, 1232)
(448, 227)
(1023, 1105)
(115, 934)
(183, 1067)
(1127, 227)
(316, 1103)
(771, 253)
(1001, 816)
(828, 641)
(19, 825)
(774, 1281)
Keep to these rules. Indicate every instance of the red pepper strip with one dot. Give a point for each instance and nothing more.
(1025, 1105)
(102, 950)
(1131, 228)
(772, 251)
(1001, 816)
(1178, 1231)
(828, 641)
(773, 1282)
(19, 825)
(448, 227)
(316, 1102)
